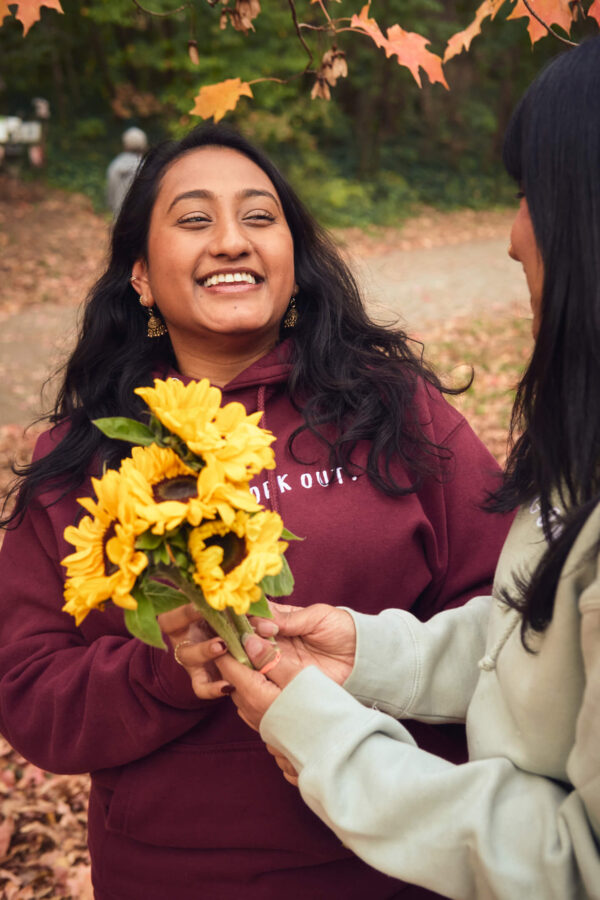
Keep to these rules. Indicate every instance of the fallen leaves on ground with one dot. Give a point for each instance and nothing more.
(430, 228)
(496, 350)
(43, 849)
(52, 246)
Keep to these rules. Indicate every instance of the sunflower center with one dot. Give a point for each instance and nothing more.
(109, 567)
(234, 549)
(182, 488)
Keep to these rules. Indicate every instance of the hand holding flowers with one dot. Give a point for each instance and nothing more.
(318, 635)
(177, 523)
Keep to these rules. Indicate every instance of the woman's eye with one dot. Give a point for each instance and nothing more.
(519, 195)
(259, 216)
(194, 219)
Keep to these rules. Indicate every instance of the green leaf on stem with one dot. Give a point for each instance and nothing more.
(287, 535)
(178, 538)
(161, 555)
(279, 585)
(148, 541)
(181, 559)
(260, 608)
(163, 597)
(123, 429)
(141, 622)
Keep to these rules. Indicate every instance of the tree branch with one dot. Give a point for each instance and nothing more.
(292, 6)
(549, 28)
(161, 15)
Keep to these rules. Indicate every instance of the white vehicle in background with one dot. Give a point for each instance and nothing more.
(19, 137)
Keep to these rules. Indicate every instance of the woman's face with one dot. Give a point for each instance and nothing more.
(220, 259)
(524, 249)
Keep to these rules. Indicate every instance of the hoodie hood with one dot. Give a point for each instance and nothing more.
(273, 368)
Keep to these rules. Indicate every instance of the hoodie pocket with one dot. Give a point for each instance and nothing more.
(216, 797)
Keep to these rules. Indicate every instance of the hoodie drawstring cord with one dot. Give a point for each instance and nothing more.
(271, 478)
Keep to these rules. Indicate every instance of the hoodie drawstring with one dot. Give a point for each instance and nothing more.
(271, 478)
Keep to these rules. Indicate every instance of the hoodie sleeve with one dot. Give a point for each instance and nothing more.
(583, 765)
(71, 702)
(430, 669)
(476, 831)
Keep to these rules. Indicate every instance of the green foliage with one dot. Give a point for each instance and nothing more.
(280, 585)
(121, 428)
(260, 608)
(378, 149)
(141, 622)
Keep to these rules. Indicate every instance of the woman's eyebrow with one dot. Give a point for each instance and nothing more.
(254, 192)
(202, 194)
(198, 194)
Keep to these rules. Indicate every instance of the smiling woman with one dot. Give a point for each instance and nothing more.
(374, 469)
(219, 263)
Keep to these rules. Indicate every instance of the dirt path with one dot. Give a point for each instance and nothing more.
(438, 266)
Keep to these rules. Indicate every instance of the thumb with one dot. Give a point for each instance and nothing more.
(267, 658)
(292, 621)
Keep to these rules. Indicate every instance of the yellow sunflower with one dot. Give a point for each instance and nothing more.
(187, 410)
(223, 495)
(163, 491)
(246, 447)
(228, 433)
(105, 563)
(231, 561)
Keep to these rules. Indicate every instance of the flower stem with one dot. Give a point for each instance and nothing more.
(217, 619)
(241, 623)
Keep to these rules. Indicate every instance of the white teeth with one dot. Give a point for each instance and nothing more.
(229, 278)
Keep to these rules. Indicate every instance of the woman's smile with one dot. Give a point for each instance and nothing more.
(230, 281)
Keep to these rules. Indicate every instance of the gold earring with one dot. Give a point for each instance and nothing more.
(156, 326)
(291, 316)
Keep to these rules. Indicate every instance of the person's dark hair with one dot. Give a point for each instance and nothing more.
(552, 150)
(347, 372)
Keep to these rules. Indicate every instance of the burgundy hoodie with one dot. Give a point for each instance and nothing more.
(185, 800)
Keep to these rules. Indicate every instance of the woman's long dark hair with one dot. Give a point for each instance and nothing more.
(552, 150)
(347, 372)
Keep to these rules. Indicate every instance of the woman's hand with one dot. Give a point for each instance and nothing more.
(289, 772)
(196, 648)
(318, 635)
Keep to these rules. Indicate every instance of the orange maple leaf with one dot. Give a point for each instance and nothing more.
(368, 26)
(28, 11)
(408, 46)
(552, 12)
(217, 99)
(4, 11)
(462, 39)
(594, 11)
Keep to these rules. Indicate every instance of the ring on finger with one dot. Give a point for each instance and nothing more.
(178, 647)
(270, 664)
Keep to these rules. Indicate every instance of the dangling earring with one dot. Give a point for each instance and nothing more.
(291, 316)
(156, 326)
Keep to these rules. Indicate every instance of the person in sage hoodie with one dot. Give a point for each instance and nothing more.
(521, 667)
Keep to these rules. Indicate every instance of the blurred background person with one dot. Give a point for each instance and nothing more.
(122, 169)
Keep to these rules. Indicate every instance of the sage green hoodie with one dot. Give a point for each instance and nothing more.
(522, 817)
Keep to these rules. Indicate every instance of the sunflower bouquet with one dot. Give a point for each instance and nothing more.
(177, 522)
